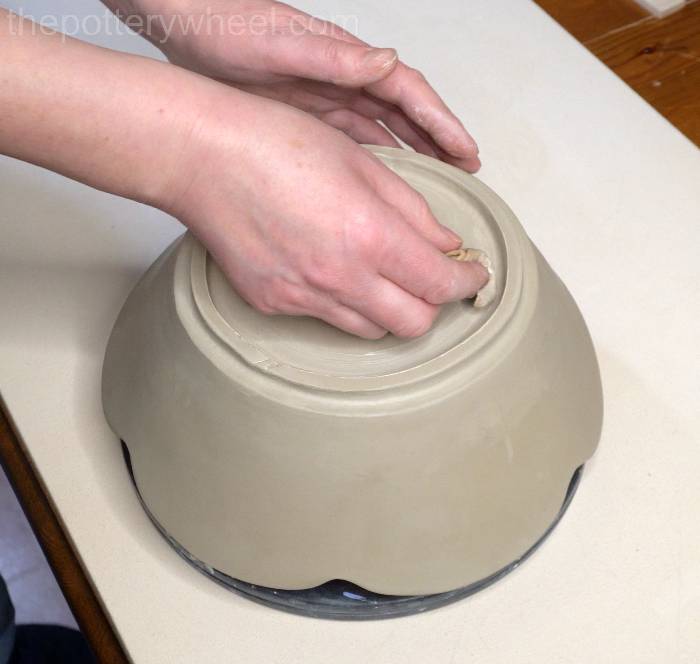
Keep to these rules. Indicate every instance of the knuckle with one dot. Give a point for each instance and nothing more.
(422, 208)
(324, 275)
(439, 292)
(416, 324)
(264, 306)
(417, 75)
(293, 301)
(332, 53)
(364, 235)
(293, 298)
(338, 118)
(374, 335)
(279, 296)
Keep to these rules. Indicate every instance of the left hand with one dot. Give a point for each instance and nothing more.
(276, 51)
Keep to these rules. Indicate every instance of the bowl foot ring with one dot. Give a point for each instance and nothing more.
(342, 600)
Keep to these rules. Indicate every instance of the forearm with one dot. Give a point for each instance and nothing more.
(114, 121)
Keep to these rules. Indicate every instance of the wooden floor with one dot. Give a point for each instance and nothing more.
(659, 58)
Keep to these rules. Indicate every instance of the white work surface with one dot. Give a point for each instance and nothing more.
(609, 192)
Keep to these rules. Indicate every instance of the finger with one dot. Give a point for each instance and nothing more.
(352, 322)
(469, 164)
(322, 27)
(409, 132)
(317, 97)
(323, 58)
(359, 128)
(396, 122)
(391, 116)
(408, 89)
(321, 98)
(425, 272)
(414, 210)
(303, 300)
(394, 309)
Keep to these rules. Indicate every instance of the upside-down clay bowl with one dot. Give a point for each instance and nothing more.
(285, 453)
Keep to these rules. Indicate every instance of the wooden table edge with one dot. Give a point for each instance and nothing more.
(82, 598)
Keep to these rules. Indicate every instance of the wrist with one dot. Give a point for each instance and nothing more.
(176, 130)
(214, 121)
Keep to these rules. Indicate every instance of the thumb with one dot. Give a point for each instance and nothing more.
(323, 58)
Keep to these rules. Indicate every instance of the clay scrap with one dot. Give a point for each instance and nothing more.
(488, 293)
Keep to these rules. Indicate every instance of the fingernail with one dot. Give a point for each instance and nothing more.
(469, 139)
(380, 58)
(452, 235)
(470, 146)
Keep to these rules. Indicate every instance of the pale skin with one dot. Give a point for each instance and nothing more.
(252, 142)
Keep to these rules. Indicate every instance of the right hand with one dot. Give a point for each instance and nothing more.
(305, 222)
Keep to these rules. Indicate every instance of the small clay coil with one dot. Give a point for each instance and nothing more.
(488, 293)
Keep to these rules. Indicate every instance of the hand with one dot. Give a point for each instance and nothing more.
(302, 220)
(305, 222)
(275, 51)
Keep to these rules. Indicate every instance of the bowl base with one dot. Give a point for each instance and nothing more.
(342, 600)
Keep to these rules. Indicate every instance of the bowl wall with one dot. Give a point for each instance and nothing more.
(403, 487)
